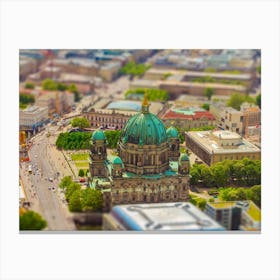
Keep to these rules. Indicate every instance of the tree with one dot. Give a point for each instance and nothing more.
(71, 189)
(61, 87)
(31, 220)
(234, 194)
(75, 204)
(73, 88)
(73, 140)
(29, 86)
(201, 203)
(203, 128)
(112, 137)
(238, 172)
(133, 69)
(206, 106)
(259, 101)
(65, 182)
(80, 122)
(236, 99)
(220, 174)
(166, 75)
(254, 194)
(201, 174)
(92, 200)
(26, 98)
(81, 173)
(252, 174)
(259, 69)
(49, 84)
(208, 92)
(210, 70)
(241, 194)
(153, 94)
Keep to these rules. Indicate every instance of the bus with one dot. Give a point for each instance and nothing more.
(30, 169)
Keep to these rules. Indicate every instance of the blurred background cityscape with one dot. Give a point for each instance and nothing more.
(66, 95)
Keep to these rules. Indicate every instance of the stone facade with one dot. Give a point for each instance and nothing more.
(148, 168)
(107, 118)
(139, 190)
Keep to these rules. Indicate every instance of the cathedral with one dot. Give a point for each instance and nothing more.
(148, 167)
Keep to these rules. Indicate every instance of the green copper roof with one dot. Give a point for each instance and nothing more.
(144, 128)
(184, 157)
(115, 159)
(172, 132)
(98, 135)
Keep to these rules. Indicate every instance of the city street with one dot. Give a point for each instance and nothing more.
(41, 186)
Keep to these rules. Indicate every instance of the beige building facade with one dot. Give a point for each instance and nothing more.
(236, 121)
(107, 118)
(216, 146)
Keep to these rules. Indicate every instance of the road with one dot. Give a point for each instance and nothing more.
(44, 195)
(48, 202)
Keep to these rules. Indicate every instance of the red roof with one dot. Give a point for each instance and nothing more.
(26, 91)
(197, 115)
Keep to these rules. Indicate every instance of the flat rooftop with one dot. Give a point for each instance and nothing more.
(213, 146)
(109, 111)
(203, 85)
(225, 134)
(179, 216)
(248, 206)
(186, 73)
(144, 83)
(68, 77)
(34, 109)
(134, 106)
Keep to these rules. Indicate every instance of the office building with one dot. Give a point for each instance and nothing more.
(215, 146)
(235, 215)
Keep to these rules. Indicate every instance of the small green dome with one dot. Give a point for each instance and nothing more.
(98, 135)
(172, 132)
(144, 128)
(117, 160)
(184, 157)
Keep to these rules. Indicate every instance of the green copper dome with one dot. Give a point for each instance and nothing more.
(144, 128)
(172, 132)
(117, 160)
(184, 157)
(98, 135)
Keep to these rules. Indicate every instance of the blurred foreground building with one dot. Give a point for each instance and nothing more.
(179, 216)
(235, 215)
(32, 119)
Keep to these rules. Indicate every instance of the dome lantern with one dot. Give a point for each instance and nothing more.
(145, 104)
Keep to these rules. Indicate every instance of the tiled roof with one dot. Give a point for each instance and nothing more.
(196, 116)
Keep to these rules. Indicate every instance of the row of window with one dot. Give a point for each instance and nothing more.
(104, 119)
(253, 157)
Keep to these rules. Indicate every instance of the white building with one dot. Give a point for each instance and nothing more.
(33, 116)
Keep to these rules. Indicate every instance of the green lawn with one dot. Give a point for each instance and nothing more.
(254, 212)
(81, 161)
(79, 157)
(82, 165)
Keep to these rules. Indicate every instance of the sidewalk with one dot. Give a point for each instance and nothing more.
(28, 190)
